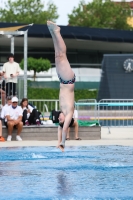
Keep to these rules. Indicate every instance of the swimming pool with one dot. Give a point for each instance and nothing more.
(88, 173)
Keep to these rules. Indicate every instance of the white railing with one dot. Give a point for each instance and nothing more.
(115, 112)
(85, 111)
(45, 105)
(109, 112)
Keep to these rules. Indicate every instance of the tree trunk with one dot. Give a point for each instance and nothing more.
(34, 75)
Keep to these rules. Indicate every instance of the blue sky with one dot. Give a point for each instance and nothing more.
(64, 7)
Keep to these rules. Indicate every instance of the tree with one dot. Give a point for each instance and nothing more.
(101, 14)
(28, 11)
(37, 65)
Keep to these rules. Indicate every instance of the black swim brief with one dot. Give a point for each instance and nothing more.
(72, 81)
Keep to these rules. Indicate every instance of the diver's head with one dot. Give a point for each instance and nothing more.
(61, 118)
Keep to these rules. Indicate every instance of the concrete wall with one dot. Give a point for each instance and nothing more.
(48, 133)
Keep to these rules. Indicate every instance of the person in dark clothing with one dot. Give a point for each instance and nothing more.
(30, 114)
(2, 89)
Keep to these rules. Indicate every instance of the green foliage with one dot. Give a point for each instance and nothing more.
(48, 93)
(43, 93)
(85, 94)
(28, 11)
(37, 65)
(101, 14)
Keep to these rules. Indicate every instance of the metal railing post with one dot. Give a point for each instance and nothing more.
(25, 63)
(12, 44)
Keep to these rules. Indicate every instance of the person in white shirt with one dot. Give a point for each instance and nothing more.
(4, 110)
(14, 118)
(30, 115)
(11, 70)
(75, 114)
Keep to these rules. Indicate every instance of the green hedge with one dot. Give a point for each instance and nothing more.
(48, 93)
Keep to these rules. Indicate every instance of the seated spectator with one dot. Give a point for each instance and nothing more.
(75, 114)
(14, 119)
(30, 114)
(2, 89)
(4, 110)
(75, 125)
(1, 138)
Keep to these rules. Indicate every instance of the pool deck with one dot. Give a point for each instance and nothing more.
(117, 136)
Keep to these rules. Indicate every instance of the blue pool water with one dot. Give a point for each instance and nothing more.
(88, 173)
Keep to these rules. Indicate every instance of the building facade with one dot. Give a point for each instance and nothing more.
(85, 48)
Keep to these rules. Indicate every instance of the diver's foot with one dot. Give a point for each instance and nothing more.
(61, 147)
(53, 27)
